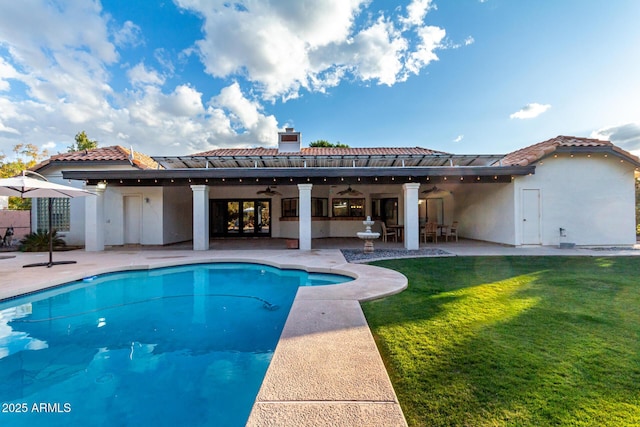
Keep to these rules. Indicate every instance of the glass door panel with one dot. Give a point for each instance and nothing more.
(248, 217)
(233, 217)
(390, 211)
(217, 223)
(263, 218)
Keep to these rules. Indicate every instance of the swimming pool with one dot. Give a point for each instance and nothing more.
(184, 345)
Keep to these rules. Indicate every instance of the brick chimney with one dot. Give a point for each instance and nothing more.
(289, 141)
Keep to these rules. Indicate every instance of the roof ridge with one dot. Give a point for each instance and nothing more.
(533, 153)
(111, 153)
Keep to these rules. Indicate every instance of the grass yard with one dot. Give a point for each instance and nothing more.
(523, 341)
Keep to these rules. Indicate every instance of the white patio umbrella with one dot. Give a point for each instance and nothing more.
(26, 187)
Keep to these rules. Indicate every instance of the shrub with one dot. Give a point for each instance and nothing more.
(39, 241)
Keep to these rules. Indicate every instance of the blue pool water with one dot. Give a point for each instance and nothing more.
(185, 346)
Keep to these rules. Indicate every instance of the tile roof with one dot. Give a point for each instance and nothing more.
(115, 154)
(533, 153)
(320, 151)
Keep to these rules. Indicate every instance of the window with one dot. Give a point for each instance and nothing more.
(60, 213)
(290, 208)
(319, 207)
(348, 207)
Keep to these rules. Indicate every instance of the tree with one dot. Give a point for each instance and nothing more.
(325, 143)
(82, 143)
(27, 155)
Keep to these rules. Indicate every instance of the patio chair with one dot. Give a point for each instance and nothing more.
(386, 233)
(430, 230)
(453, 230)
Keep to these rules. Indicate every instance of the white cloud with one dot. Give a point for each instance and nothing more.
(7, 71)
(377, 51)
(59, 77)
(49, 145)
(7, 129)
(185, 101)
(162, 56)
(530, 111)
(458, 138)
(283, 47)
(244, 117)
(430, 39)
(139, 75)
(129, 35)
(626, 136)
(416, 12)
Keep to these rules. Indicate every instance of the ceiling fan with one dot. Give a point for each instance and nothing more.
(431, 190)
(350, 192)
(269, 192)
(435, 190)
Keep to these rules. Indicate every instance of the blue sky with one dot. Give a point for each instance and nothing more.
(184, 76)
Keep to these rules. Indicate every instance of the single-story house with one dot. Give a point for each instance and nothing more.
(565, 189)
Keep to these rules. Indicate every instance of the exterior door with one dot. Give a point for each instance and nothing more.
(531, 217)
(132, 219)
(240, 217)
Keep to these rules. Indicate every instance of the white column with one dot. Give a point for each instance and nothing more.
(304, 216)
(411, 218)
(94, 220)
(200, 217)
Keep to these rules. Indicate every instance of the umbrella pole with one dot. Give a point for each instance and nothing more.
(50, 232)
(50, 263)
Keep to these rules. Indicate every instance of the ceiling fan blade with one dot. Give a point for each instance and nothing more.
(268, 191)
(349, 191)
(431, 190)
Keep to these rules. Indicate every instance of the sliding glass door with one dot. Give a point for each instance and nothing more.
(240, 217)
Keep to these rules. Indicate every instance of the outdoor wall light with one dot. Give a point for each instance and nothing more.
(101, 185)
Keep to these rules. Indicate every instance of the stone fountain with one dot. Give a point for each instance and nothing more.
(368, 236)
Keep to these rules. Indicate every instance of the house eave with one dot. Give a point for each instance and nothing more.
(606, 150)
(241, 176)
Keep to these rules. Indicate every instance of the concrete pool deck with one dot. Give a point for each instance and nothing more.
(326, 369)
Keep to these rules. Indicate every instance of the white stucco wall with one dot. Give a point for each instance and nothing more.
(151, 232)
(592, 198)
(486, 212)
(177, 205)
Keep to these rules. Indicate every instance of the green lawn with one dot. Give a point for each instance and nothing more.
(523, 341)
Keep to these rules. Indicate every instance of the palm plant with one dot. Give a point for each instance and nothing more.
(39, 241)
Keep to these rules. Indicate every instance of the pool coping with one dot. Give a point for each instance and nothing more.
(326, 368)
